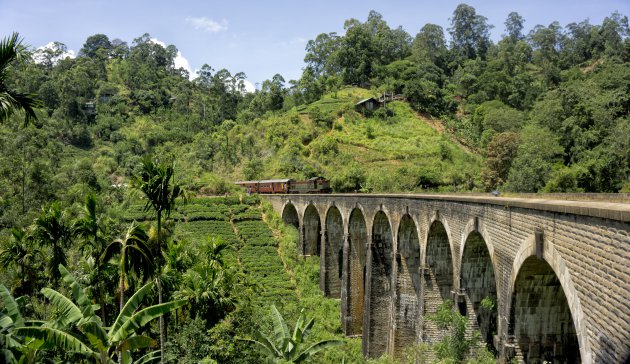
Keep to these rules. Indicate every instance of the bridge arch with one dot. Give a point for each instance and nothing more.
(380, 288)
(355, 260)
(333, 253)
(437, 280)
(407, 300)
(479, 281)
(545, 313)
(290, 215)
(312, 227)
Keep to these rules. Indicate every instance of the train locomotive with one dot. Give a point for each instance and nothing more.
(287, 185)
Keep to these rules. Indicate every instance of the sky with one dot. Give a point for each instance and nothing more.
(260, 38)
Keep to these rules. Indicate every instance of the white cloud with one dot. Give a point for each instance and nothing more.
(56, 52)
(249, 87)
(207, 24)
(293, 42)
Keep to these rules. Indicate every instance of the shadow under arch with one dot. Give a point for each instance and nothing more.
(380, 286)
(542, 321)
(478, 280)
(312, 231)
(333, 253)
(407, 303)
(354, 267)
(437, 280)
(290, 215)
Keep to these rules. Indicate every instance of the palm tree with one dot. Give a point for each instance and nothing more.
(52, 229)
(207, 290)
(284, 347)
(23, 255)
(155, 180)
(213, 250)
(90, 227)
(78, 328)
(135, 257)
(12, 50)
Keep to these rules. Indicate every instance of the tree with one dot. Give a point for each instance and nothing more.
(319, 53)
(52, 229)
(12, 50)
(514, 26)
(135, 257)
(283, 346)
(94, 43)
(470, 33)
(24, 256)
(90, 227)
(155, 180)
(500, 153)
(430, 44)
(612, 32)
(531, 168)
(78, 328)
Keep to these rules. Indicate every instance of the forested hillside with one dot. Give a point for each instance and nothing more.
(544, 109)
(566, 88)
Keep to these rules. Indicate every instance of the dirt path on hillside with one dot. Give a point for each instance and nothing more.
(438, 126)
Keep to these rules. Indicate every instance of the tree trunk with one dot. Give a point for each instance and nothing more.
(162, 334)
(159, 284)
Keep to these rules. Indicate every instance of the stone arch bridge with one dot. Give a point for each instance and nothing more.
(542, 280)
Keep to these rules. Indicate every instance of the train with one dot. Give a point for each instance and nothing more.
(287, 186)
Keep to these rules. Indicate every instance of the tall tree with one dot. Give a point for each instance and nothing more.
(430, 44)
(94, 43)
(134, 257)
(470, 33)
(21, 254)
(514, 26)
(53, 229)
(156, 181)
(90, 227)
(12, 50)
(319, 53)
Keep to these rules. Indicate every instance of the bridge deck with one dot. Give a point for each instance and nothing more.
(619, 211)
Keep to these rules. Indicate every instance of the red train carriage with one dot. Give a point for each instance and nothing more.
(266, 186)
(312, 185)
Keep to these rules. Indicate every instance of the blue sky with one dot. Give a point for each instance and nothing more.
(260, 38)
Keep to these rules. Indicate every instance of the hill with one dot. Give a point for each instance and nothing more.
(388, 150)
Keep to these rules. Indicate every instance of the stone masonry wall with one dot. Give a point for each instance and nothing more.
(585, 244)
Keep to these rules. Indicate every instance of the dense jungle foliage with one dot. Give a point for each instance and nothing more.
(542, 110)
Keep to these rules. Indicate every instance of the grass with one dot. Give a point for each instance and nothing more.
(400, 153)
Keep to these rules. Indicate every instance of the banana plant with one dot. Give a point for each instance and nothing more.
(79, 329)
(283, 346)
(10, 320)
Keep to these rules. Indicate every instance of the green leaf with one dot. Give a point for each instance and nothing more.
(143, 317)
(5, 322)
(57, 338)
(130, 307)
(315, 348)
(137, 342)
(150, 357)
(79, 295)
(280, 328)
(264, 345)
(69, 312)
(10, 306)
